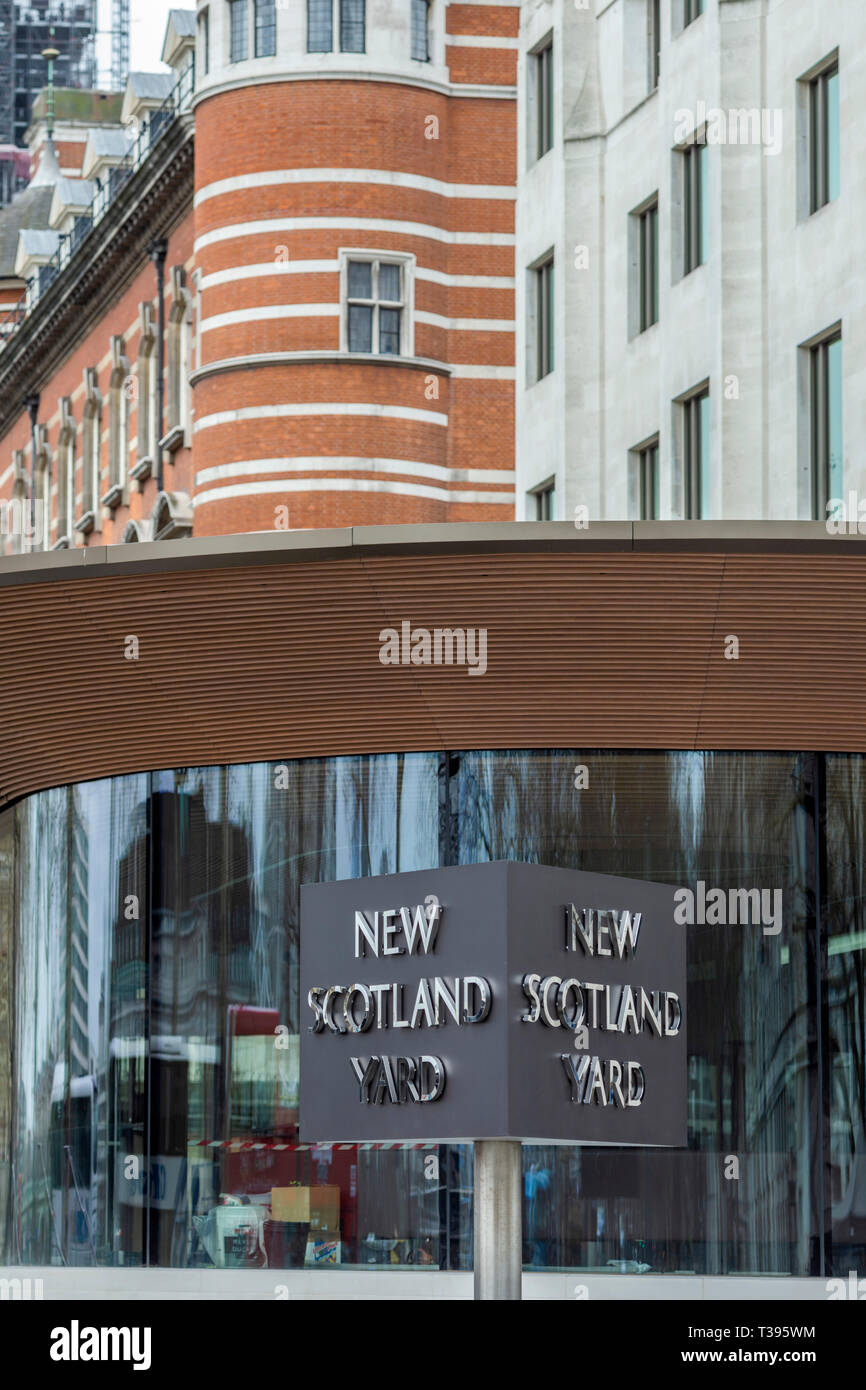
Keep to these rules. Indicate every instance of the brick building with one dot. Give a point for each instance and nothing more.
(329, 201)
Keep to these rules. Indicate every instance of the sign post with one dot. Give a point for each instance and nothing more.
(498, 1219)
(493, 1004)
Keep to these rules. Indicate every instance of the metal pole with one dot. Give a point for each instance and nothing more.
(498, 1219)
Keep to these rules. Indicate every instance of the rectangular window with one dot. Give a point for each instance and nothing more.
(826, 423)
(239, 34)
(320, 26)
(375, 300)
(204, 42)
(824, 137)
(691, 10)
(696, 456)
(266, 28)
(545, 499)
(352, 26)
(648, 253)
(542, 62)
(695, 207)
(648, 481)
(542, 278)
(654, 28)
(420, 30)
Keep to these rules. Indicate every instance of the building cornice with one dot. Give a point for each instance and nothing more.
(300, 358)
(473, 90)
(152, 201)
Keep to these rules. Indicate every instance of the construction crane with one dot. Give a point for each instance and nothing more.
(119, 44)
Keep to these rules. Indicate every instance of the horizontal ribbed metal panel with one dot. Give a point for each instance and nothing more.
(249, 655)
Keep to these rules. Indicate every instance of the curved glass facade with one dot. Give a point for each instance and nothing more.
(149, 1014)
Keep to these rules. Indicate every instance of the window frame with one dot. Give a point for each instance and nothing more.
(204, 41)
(695, 458)
(414, 30)
(405, 304)
(542, 325)
(260, 27)
(648, 249)
(820, 191)
(544, 495)
(645, 479)
(236, 31)
(343, 25)
(541, 138)
(654, 43)
(820, 422)
(694, 174)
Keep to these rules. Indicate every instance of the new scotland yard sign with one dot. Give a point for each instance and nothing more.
(492, 1001)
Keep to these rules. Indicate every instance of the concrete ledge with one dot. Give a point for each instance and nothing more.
(266, 547)
(257, 1285)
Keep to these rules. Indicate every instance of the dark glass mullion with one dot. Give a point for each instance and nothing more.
(814, 796)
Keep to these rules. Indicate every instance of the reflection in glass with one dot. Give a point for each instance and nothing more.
(151, 1009)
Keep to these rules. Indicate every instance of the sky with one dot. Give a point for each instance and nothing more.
(147, 30)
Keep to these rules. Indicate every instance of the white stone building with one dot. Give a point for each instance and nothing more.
(743, 127)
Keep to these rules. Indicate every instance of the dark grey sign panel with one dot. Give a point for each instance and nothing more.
(492, 1001)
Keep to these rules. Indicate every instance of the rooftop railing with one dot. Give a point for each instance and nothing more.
(150, 132)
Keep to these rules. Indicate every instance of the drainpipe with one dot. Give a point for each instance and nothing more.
(158, 250)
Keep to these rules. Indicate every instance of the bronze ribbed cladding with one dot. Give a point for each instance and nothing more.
(267, 647)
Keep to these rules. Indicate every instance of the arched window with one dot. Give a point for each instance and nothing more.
(172, 517)
(145, 396)
(118, 424)
(91, 456)
(179, 335)
(65, 474)
(17, 512)
(41, 520)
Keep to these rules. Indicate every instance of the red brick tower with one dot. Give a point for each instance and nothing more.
(354, 223)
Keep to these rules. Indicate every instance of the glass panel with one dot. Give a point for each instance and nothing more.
(831, 146)
(360, 328)
(834, 419)
(420, 12)
(389, 282)
(266, 28)
(320, 26)
(84, 1179)
(239, 31)
(360, 280)
(352, 26)
(389, 331)
(846, 969)
(728, 821)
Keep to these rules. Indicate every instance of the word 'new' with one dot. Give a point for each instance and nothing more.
(380, 933)
(601, 931)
